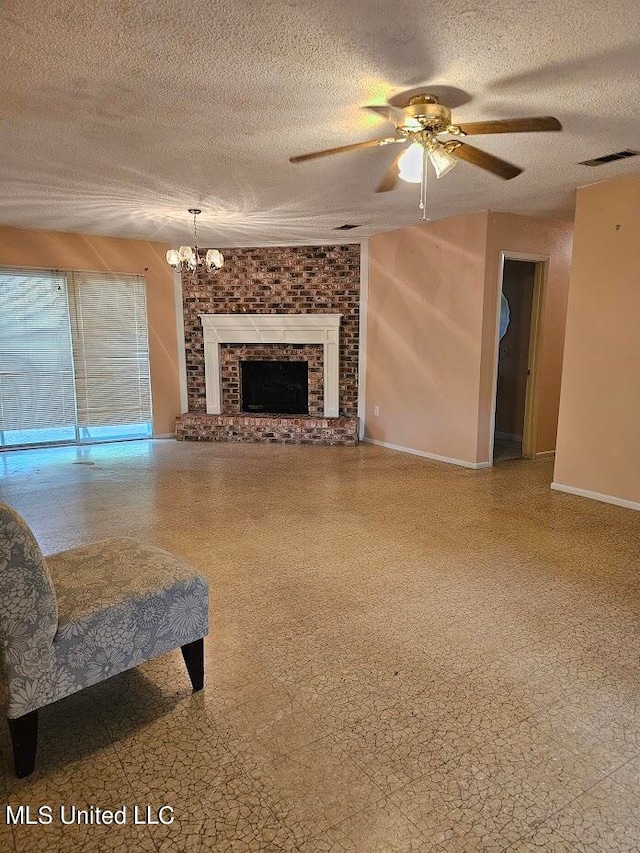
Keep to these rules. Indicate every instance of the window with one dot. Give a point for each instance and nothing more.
(74, 358)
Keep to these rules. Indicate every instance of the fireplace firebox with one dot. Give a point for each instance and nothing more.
(274, 387)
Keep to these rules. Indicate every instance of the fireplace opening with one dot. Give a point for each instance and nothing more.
(275, 387)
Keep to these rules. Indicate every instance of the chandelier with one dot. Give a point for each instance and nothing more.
(190, 258)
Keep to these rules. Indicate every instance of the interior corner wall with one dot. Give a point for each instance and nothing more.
(56, 250)
(598, 451)
(424, 337)
(508, 232)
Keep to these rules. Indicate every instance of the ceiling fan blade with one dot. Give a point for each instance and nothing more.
(511, 125)
(356, 146)
(390, 179)
(386, 111)
(485, 161)
(394, 116)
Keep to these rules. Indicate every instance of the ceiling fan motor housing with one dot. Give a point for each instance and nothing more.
(426, 109)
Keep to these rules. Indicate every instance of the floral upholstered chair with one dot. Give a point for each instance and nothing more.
(83, 615)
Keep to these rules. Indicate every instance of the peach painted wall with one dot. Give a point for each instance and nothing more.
(527, 235)
(57, 250)
(431, 331)
(599, 433)
(424, 336)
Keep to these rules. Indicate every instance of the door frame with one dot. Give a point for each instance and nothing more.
(537, 304)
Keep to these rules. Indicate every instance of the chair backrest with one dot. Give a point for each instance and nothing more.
(28, 606)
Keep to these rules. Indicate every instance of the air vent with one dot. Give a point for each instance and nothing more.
(345, 227)
(609, 158)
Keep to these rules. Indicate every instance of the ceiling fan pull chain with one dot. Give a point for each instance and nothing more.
(423, 185)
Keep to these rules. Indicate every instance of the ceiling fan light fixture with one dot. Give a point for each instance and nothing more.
(442, 161)
(410, 164)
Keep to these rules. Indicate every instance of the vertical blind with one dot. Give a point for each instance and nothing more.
(74, 357)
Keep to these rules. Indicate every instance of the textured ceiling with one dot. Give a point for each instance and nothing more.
(117, 115)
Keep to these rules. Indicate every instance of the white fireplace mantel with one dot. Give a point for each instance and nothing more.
(271, 329)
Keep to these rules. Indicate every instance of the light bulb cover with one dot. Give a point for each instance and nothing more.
(186, 253)
(173, 257)
(410, 164)
(214, 259)
(441, 161)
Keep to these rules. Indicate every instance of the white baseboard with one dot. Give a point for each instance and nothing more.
(166, 435)
(596, 496)
(545, 454)
(462, 462)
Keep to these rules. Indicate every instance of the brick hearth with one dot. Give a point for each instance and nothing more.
(277, 429)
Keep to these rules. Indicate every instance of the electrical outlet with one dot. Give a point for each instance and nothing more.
(376, 410)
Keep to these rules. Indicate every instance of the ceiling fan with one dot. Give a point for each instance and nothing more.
(422, 123)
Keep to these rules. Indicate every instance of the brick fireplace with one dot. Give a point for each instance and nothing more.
(280, 298)
(232, 356)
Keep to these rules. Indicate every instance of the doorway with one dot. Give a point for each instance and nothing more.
(519, 310)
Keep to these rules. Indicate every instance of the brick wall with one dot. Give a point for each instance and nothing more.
(277, 280)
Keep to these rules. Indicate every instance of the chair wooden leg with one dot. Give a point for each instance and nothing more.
(24, 739)
(193, 654)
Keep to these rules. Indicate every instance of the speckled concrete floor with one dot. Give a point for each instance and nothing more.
(404, 656)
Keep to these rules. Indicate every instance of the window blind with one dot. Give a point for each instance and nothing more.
(36, 365)
(110, 349)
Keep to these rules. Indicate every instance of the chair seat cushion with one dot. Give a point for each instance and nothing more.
(120, 603)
